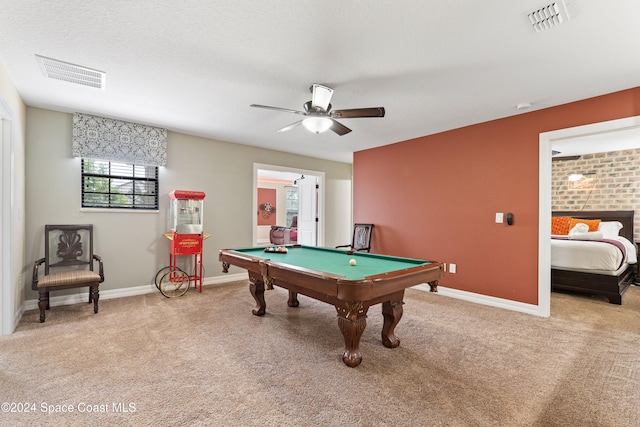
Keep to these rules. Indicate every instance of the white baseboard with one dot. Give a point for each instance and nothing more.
(83, 296)
(18, 316)
(145, 289)
(485, 300)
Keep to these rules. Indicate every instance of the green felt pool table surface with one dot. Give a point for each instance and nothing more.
(334, 261)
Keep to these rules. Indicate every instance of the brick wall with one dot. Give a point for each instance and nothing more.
(616, 183)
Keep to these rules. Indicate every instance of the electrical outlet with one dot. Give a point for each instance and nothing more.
(452, 268)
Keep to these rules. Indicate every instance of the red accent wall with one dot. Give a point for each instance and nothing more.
(435, 197)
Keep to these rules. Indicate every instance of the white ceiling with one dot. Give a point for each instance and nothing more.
(621, 139)
(195, 66)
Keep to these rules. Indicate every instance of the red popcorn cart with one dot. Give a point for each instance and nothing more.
(185, 240)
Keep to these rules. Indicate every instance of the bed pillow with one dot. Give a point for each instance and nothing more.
(610, 229)
(592, 223)
(560, 225)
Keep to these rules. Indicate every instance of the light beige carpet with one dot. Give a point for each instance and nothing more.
(204, 359)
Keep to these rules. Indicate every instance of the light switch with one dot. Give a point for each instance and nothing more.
(499, 217)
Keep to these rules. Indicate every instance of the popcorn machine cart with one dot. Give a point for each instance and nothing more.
(185, 239)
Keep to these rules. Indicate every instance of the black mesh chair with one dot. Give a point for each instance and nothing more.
(361, 240)
(68, 263)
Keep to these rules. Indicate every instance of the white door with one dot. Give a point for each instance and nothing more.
(5, 278)
(307, 211)
(7, 293)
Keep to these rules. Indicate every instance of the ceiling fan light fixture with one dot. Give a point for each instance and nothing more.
(318, 114)
(317, 124)
(321, 96)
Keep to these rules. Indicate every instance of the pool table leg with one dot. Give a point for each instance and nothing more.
(293, 299)
(352, 319)
(392, 313)
(256, 287)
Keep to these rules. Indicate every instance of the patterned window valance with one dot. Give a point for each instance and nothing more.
(117, 141)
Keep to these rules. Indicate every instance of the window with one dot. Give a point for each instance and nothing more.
(114, 185)
(292, 203)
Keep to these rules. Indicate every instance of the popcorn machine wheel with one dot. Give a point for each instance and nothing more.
(172, 281)
(186, 237)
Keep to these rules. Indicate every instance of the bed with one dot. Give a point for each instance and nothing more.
(598, 273)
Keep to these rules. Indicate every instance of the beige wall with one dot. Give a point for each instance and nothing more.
(131, 243)
(617, 183)
(13, 112)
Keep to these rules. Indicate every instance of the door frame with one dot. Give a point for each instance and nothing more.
(320, 233)
(544, 191)
(7, 257)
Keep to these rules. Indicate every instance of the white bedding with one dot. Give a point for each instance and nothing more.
(590, 255)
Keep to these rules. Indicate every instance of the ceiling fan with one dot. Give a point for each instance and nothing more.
(318, 114)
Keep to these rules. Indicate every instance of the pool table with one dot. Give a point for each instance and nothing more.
(328, 275)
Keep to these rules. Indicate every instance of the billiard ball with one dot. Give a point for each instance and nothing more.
(352, 261)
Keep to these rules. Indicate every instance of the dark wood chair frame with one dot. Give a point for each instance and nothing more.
(72, 254)
(360, 242)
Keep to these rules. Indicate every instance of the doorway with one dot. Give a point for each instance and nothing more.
(7, 282)
(548, 142)
(292, 189)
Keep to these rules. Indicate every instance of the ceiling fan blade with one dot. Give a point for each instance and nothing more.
(291, 126)
(321, 96)
(339, 128)
(286, 110)
(357, 112)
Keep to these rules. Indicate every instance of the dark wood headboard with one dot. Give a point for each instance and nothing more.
(625, 218)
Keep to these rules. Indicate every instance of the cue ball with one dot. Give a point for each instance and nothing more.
(352, 261)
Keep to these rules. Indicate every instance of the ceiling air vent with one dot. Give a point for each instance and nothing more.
(71, 73)
(549, 16)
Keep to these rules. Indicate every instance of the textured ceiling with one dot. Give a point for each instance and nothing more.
(195, 66)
